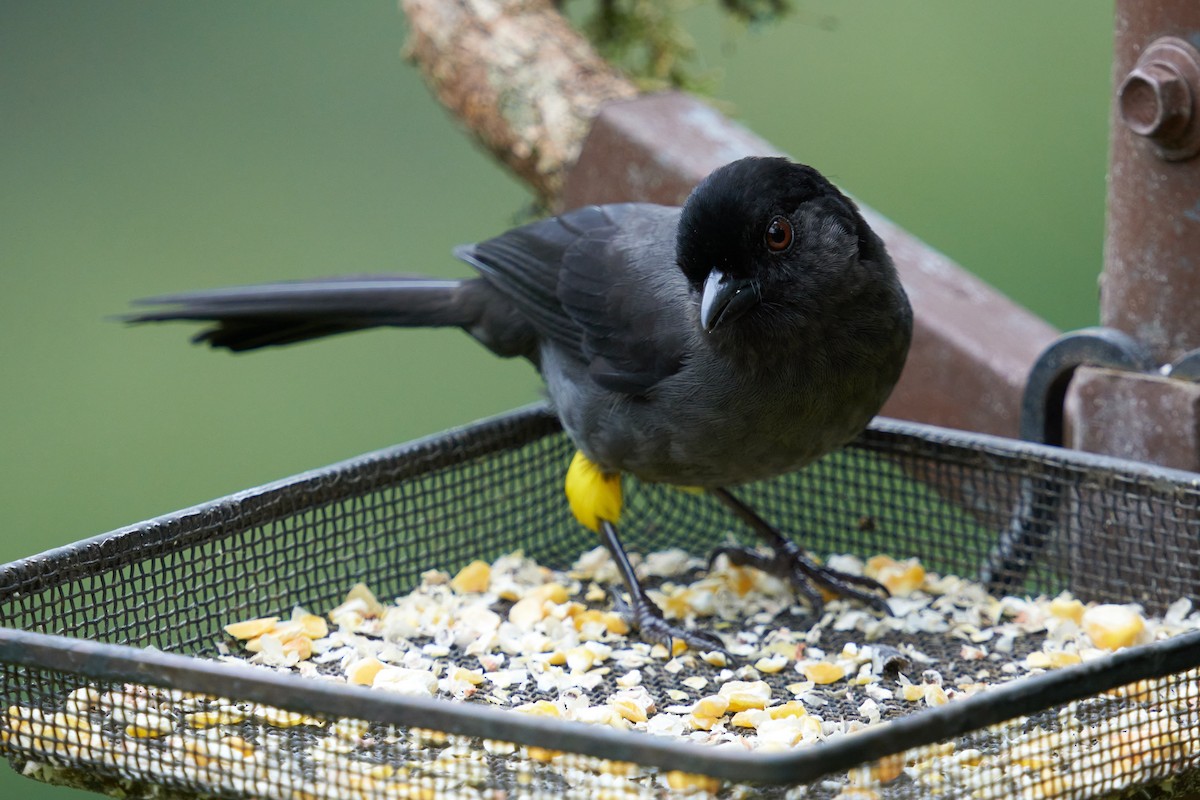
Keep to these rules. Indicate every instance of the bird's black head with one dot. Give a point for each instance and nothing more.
(767, 233)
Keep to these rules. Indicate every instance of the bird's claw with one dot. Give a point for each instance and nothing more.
(792, 564)
(648, 619)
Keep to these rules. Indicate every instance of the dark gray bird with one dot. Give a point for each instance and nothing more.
(739, 337)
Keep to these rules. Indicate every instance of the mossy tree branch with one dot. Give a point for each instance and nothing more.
(522, 80)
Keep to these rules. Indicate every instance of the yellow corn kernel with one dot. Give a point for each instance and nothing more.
(554, 592)
(750, 719)
(714, 705)
(541, 754)
(473, 578)
(149, 726)
(771, 664)
(744, 695)
(823, 672)
(527, 611)
(302, 646)
(284, 719)
(471, 676)
(629, 710)
(381, 771)
(1051, 660)
(792, 708)
(220, 716)
(912, 692)
(900, 577)
(1111, 627)
(541, 708)
(935, 695)
(363, 671)
(250, 628)
(239, 745)
(1067, 608)
(615, 767)
(715, 658)
(690, 781)
(888, 768)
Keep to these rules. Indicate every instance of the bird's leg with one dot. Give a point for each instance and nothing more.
(791, 563)
(644, 614)
(595, 499)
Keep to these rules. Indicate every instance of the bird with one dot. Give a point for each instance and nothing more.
(735, 338)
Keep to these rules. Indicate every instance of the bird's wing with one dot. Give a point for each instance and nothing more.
(622, 288)
(601, 284)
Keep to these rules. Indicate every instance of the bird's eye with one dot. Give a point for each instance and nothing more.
(779, 234)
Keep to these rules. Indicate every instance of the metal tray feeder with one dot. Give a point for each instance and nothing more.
(135, 616)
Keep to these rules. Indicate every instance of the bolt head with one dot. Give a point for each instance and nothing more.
(1155, 102)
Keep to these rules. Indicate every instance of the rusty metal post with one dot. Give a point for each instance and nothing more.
(1151, 283)
(1150, 288)
(972, 346)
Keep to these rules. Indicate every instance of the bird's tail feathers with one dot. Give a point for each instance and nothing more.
(250, 317)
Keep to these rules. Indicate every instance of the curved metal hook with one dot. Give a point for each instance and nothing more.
(1007, 566)
(1046, 387)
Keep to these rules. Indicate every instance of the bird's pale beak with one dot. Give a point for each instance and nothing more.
(725, 298)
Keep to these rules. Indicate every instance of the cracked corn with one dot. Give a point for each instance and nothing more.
(516, 635)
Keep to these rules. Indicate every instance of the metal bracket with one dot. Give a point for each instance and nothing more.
(1042, 421)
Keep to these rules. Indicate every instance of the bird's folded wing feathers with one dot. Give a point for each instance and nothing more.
(601, 300)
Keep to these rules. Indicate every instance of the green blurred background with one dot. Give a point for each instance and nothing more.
(151, 147)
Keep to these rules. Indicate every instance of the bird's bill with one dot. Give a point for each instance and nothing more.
(725, 298)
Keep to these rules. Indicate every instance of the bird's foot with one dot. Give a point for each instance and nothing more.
(641, 613)
(791, 563)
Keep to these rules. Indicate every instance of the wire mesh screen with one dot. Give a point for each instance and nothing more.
(429, 621)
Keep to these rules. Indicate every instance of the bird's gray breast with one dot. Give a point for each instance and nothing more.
(713, 423)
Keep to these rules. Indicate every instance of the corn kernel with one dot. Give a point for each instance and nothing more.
(823, 672)
(1051, 660)
(629, 710)
(149, 726)
(527, 611)
(220, 716)
(1067, 608)
(363, 671)
(771, 664)
(250, 628)
(541, 754)
(1111, 627)
(715, 705)
(554, 592)
(912, 692)
(744, 695)
(473, 578)
(471, 676)
(541, 708)
(283, 719)
(580, 659)
(302, 646)
(888, 768)
(900, 577)
(792, 708)
(750, 719)
(689, 781)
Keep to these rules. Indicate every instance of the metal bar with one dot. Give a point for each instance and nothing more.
(108, 662)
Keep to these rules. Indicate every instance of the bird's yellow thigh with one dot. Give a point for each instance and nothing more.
(592, 494)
